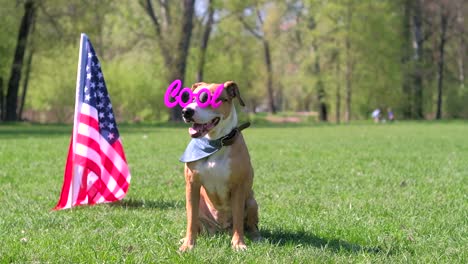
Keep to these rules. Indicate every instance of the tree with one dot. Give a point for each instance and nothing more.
(2, 101)
(349, 60)
(27, 72)
(173, 40)
(461, 54)
(321, 96)
(205, 39)
(461, 31)
(418, 43)
(414, 36)
(15, 77)
(25, 84)
(258, 33)
(336, 60)
(444, 15)
(302, 26)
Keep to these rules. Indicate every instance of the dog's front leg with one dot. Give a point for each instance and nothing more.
(238, 204)
(192, 197)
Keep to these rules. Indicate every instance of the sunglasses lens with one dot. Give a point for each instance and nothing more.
(203, 97)
(185, 97)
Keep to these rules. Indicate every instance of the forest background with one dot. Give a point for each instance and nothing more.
(337, 60)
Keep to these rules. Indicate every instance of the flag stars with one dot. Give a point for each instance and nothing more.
(94, 93)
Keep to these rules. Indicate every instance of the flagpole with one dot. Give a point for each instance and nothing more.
(80, 74)
(80, 78)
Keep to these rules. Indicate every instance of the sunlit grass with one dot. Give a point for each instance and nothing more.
(358, 193)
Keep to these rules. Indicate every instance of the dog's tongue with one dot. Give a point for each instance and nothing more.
(199, 130)
(196, 130)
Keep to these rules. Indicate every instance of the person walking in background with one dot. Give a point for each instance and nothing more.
(376, 115)
(390, 115)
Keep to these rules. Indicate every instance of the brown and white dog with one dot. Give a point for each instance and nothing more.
(218, 188)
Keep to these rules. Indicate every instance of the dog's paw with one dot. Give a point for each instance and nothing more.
(185, 248)
(187, 244)
(238, 245)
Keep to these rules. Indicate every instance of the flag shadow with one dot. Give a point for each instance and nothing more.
(147, 204)
(284, 237)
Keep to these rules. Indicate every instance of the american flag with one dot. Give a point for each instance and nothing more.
(96, 169)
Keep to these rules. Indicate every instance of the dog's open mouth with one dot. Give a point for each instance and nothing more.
(199, 130)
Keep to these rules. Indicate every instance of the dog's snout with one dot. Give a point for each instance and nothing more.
(187, 113)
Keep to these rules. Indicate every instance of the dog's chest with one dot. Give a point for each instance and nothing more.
(215, 171)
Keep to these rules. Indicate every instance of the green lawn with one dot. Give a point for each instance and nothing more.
(363, 193)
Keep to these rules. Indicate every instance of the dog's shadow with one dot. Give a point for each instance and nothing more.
(297, 238)
(147, 204)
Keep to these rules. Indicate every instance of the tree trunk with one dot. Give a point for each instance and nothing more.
(418, 55)
(440, 75)
(349, 66)
(25, 84)
(15, 78)
(461, 48)
(271, 99)
(348, 81)
(2, 101)
(407, 50)
(205, 40)
(28, 70)
(323, 113)
(180, 59)
(418, 94)
(338, 91)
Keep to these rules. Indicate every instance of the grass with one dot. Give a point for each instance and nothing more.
(365, 193)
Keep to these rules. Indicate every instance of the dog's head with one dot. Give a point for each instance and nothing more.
(209, 120)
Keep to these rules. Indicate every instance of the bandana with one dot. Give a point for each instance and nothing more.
(200, 148)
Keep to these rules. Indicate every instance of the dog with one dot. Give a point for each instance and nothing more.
(218, 183)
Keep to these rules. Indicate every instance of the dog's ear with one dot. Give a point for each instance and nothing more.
(195, 85)
(233, 91)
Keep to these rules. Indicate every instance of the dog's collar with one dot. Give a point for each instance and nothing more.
(200, 148)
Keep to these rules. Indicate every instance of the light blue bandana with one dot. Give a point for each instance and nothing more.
(200, 148)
